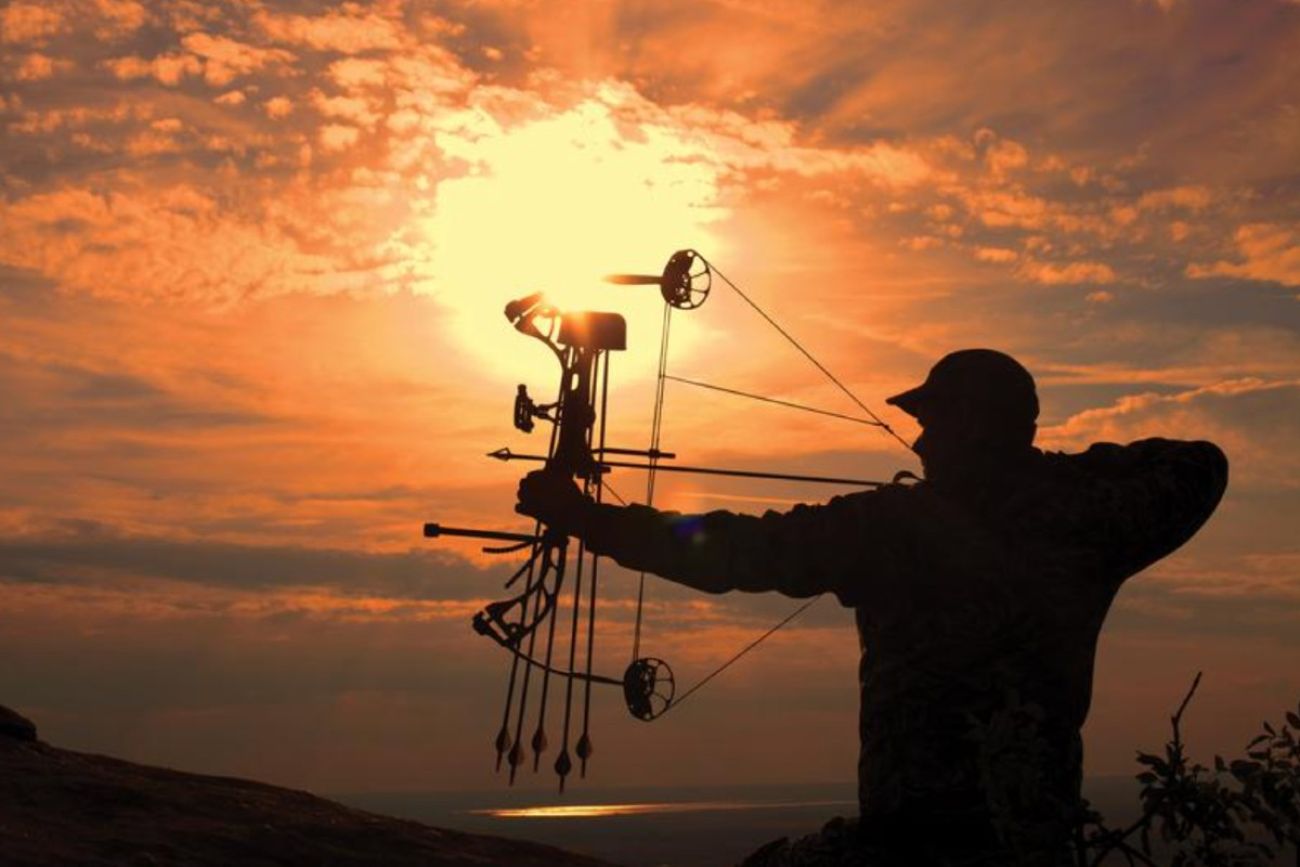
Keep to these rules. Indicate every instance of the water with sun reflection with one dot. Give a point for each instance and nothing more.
(595, 811)
(699, 826)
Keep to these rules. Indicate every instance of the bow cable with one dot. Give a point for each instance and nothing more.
(808, 355)
(765, 399)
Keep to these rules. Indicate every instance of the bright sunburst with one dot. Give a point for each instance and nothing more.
(552, 203)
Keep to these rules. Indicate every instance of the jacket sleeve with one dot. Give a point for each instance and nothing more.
(1150, 497)
(803, 552)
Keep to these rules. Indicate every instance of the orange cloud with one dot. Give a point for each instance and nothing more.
(168, 69)
(1000, 255)
(349, 31)
(1205, 412)
(226, 59)
(37, 66)
(1052, 274)
(29, 22)
(1189, 198)
(338, 136)
(1270, 252)
(123, 17)
(350, 108)
(154, 244)
(277, 107)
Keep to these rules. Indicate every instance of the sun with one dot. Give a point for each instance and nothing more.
(553, 202)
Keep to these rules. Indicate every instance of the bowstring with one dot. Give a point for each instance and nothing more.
(656, 431)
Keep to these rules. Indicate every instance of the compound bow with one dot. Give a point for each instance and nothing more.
(582, 343)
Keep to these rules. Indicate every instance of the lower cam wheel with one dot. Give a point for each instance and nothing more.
(648, 687)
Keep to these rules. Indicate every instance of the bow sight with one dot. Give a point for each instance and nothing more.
(525, 625)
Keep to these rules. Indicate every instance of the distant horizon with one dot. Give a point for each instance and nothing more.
(574, 793)
(682, 837)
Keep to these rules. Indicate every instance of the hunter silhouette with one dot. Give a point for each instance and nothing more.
(978, 592)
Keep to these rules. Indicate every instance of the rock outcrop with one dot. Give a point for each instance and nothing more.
(64, 807)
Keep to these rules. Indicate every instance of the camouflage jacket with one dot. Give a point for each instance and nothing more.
(963, 604)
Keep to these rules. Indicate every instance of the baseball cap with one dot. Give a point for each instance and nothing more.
(984, 376)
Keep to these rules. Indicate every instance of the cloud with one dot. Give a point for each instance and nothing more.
(278, 107)
(1001, 155)
(350, 108)
(226, 59)
(29, 23)
(1051, 274)
(168, 69)
(1000, 255)
(157, 243)
(1263, 580)
(122, 18)
(1250, 418)
(218, 59)
(37, 67)
(1007, 208)
(338, 136)
(348, 31)
(1270, 252)
(1189, 198)
(88, 554)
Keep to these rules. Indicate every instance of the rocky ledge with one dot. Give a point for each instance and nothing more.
(64, 807)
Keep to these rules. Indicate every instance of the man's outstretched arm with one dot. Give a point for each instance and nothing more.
(802, 552)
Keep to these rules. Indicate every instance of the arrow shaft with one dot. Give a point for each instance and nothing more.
(716, 471)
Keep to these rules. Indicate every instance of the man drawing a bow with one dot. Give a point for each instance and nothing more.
(980, 591)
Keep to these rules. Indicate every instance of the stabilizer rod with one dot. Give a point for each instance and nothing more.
(434, 530)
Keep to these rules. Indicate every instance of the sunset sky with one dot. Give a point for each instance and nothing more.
(253, 258)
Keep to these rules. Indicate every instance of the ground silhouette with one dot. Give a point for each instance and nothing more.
(65, 807)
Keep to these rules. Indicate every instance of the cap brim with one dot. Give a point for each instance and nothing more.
(909, 401)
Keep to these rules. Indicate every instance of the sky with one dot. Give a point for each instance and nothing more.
(253, 259)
